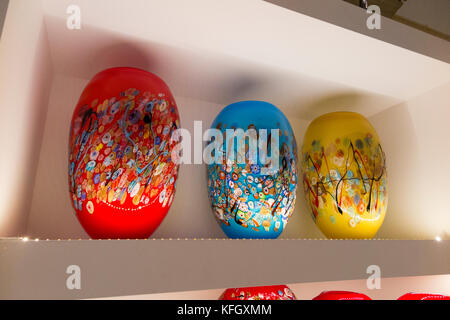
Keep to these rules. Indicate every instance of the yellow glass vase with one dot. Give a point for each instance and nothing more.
(344, 176)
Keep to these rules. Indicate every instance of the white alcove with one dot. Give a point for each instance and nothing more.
(212, 55)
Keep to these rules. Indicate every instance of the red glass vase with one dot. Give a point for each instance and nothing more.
(423, 296)
(121, 175)
(341, 295)
(279, 292)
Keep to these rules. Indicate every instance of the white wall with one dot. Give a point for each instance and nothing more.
(415, 136)
(25, 77)
(51, 213)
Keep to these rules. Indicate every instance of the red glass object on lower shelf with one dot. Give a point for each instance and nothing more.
(341, 295)
(423, 296)
(278, 292)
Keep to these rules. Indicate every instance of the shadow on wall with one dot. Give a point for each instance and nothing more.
(95, 50)
(209, 78)
(201, 75)
(342, 101)
(3, 9)
(124, 54)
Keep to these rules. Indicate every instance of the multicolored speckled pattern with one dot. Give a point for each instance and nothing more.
(279, 292)
(121, 174)
(247, 203)
(345, 179)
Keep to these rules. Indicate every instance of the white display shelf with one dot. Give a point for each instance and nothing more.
(108, 268)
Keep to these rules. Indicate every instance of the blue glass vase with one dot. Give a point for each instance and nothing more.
(252, 174)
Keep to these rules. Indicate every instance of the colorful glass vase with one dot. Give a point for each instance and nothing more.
(341, 295)
(279, 292)
(344, 175)
(423, 296)
(252, 196)
(121, 176)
